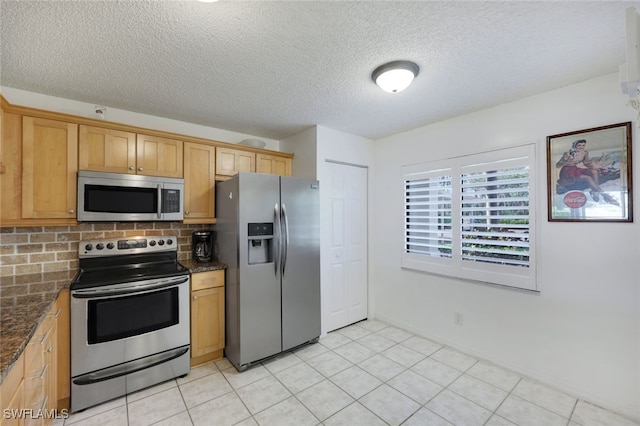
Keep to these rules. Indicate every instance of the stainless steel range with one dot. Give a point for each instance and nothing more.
(129, 318)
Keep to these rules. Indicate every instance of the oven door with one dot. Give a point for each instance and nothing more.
(120, 323)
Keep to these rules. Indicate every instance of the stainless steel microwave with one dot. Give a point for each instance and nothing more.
(114, 197)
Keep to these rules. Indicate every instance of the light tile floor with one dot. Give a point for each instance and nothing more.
(366, 374)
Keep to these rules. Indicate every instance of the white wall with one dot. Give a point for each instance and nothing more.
(83, 109)
(303, 146)
(581, 333)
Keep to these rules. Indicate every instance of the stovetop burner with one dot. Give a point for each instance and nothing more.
(116, 261)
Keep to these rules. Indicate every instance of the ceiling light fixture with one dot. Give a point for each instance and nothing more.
(395, 76)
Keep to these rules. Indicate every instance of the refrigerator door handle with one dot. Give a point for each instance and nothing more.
(277, 238)
(285, 247)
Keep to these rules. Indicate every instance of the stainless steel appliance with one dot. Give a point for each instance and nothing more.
(129, 318)
(202, 246)
(114, 197)
(269, 236)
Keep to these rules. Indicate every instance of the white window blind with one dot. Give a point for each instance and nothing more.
(473, 217)
(428, 216)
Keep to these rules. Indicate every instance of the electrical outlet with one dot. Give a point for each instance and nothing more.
(458, 318)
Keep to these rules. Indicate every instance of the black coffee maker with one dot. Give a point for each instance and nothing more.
(202, 246)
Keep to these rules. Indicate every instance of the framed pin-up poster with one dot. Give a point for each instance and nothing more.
(589, 175)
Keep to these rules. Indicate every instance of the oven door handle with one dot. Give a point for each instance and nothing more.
(130, 367)
(102, 292)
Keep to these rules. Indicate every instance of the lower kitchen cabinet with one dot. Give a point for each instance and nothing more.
(31, 388)
(207, 316)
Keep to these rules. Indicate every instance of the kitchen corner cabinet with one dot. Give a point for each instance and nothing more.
(49, 167)
(33, 381)
(156, 156)
(207, 316)
(199, 183)
(106, 150)
(232, 161)
(273, 164)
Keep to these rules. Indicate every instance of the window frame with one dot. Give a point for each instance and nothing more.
(494, 273)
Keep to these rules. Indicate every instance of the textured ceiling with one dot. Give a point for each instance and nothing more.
(273, 69)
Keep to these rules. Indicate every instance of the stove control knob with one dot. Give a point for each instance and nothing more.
(88, 247)
(161, 242)
(99, 246)
(110, 246)
(169, 241)
(152, 243)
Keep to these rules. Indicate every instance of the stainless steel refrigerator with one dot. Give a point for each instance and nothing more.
(268, 230)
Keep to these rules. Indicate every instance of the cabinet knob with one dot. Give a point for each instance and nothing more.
(131, 168)
(50, 350)
(72, 211)
(186, 213)
(195, 297)
(140, 169)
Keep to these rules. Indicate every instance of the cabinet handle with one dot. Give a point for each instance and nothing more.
(140, 168)
(54, 314)
(72, 211)
(44, 372)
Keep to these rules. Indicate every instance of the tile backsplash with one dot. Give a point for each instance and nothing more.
(39, 260)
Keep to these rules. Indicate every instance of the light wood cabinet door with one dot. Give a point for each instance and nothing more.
(11, 168)
(207, 316)
(159, 156)
(63, 345)
(273, 164)
(232, 161)
(49, 168)
(199, 183)
(51, 361)
(106, 150)
(207, 321)
(12, 392)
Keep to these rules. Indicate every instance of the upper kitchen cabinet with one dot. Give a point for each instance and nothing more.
(273, 164)
(117, 151)
(49, 168)
(231, 161)
(158, 156)
(199, 183)
(106, 150)
(11, 168)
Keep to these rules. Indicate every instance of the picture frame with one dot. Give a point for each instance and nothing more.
(589, 175)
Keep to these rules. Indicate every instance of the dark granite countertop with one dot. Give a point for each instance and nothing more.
(19, 322)
(195, 267)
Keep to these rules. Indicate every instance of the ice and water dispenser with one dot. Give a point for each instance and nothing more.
(260, 242)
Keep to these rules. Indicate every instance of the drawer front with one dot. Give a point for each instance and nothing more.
(211, 279)
(11, 383)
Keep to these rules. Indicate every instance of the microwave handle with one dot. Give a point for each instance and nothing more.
(159, 213)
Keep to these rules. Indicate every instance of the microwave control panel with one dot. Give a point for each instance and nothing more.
(170, 201)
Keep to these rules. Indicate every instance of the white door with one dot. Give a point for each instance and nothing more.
(347, 301)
